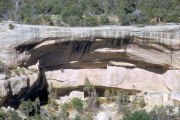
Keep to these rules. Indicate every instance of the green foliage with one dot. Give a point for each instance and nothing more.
(90, 21)
(157, 113)
(77, 117)
(18, 71)
(54, 118)
(77, 103)
(93, 101)
(65, 106)
(37, 117)
(46, 19)
(178, 111)
(104, 20)
(52, 104)
(1, 63)
(73, 20)
(87, 116)
(52, 91)
(162, 113)
(9, 115)
(30, 108)
(13, 115)
(2, 115)
(123, 97)
(88, 86)
(11, 26)
(110, 118)
(33, 70)
(90, 12)
(142, 102)
(107, 94)
(63, 113)
(138, 115)
(5, 6)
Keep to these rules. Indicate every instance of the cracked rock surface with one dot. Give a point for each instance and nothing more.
(110, 56)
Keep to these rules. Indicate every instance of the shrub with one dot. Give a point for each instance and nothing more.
(90, 21)
(142, 102)
(124, 19)
(37, 117)
(33, 70)
(52, 104)
(93, 101)
(110, 94)
(162, 113)
(138, 115)
(73, 20)
(11, 26)
(77, 103)
(104, 20)
(88, 86)
(30, 108)
(63, 112)
(87, 116)
(107, 94)
(124, 109)
(9, 115)
(13, 115)
(18, 71)
(77, 117)
(110, 118)
(46, 19)
(54, 118)
(123, 97)
(178, 114)
(52, 91)
(65, 106)
(1, 63)
(2, 115)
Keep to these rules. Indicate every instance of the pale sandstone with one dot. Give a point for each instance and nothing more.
(146, 59)
(117, 77)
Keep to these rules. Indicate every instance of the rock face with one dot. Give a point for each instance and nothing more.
(112, 77)
(15, 83)
(146, 58)
(152, 45)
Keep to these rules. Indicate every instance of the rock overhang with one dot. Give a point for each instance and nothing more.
(27, 44)
(110, 56)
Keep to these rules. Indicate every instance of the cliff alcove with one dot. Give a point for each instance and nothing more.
(109, 56)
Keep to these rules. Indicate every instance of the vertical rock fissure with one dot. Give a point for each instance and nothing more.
(39, 88)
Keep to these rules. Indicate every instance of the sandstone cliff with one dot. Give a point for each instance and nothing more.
(146, 59)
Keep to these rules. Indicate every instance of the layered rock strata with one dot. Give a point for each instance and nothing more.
(147, 58)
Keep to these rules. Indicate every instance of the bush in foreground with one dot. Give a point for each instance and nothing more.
(138, 115)
(11, 26)
(77, 103)
(30, 108)
(9, 115)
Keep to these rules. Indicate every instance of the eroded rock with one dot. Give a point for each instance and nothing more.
(152, 45)
(116, 77)
(14, 85)
(146, 59)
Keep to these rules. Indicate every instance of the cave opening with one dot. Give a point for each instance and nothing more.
(100, 90)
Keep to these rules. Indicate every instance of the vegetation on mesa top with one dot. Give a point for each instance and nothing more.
(90, 12)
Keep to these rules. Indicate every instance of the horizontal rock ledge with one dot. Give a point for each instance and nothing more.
(26, 44)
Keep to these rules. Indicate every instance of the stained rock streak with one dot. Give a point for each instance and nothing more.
(110, 56)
